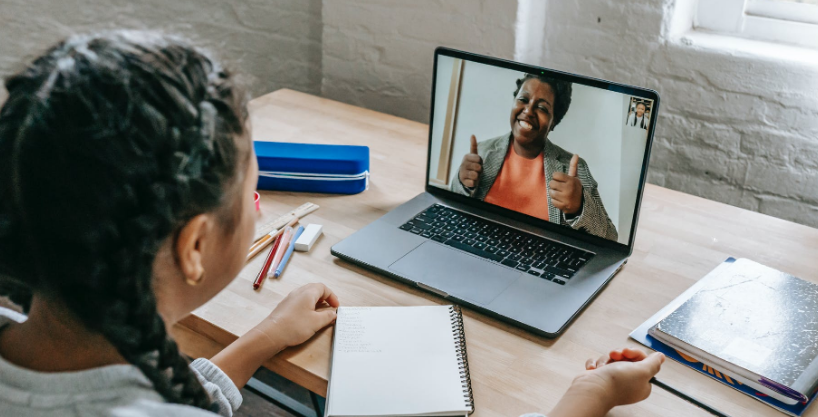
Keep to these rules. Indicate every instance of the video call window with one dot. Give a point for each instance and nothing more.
(563, 152)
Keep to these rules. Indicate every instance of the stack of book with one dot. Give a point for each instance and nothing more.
(749, 326)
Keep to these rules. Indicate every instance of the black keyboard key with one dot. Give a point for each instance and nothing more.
(526, 262)
(481, 238)
(522, 267)
(438, 238)
(422, 219)
(407, 226)
(558, 272)
(509, 262)
(481, 245)
(533, 272)
(426, 234)
(558, 281)
(458, 238)
(515, 257)
(502, 252)
(447, 234)
(474, 251)
(547, 275)
(470, 242)
(416, 231)
(423, 226)
(539, 265)
(491, 249)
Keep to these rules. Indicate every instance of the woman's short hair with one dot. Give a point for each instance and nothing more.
(562, 93)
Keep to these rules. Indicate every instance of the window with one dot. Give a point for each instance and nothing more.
(784, 21)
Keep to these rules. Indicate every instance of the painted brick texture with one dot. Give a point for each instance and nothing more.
(737, 125)
(273, 43)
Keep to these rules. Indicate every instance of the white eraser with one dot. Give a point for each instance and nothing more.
(308, 237)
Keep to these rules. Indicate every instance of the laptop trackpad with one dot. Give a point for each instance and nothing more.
(456, 273)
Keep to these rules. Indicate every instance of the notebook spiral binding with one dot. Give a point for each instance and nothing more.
(463, 360)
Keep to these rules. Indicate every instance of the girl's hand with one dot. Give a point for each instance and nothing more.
(618, 378)
(625, 373)
(298, 316)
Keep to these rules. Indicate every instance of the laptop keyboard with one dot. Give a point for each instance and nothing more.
(507, 246)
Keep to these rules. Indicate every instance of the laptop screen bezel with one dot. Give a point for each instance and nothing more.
(573, 78)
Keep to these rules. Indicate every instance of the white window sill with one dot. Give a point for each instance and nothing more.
(733, 45)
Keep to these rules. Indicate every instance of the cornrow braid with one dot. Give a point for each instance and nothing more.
(109, 144)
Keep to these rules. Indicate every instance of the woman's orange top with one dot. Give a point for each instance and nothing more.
(520, 185)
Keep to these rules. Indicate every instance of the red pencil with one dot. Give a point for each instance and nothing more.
(267, 262)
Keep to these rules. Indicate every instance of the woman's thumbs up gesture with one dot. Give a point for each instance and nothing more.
(471, 167)
(566, 189)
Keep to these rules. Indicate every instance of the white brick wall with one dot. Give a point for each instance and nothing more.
(739, 119)
(275, 43)
(379, 53)
(738, 123)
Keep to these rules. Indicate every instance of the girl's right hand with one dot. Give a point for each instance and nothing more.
(626, 374)
(618, 378)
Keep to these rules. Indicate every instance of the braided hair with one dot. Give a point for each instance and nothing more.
(109, 144)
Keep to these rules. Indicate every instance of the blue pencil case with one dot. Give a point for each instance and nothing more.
(334, 169)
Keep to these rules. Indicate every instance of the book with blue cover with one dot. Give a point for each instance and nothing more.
(748, 326)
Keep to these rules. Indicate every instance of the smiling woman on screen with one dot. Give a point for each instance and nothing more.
(511, 169)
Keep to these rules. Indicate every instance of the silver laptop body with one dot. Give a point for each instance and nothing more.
(564, 267)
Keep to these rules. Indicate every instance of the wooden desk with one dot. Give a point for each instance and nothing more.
(680, 239)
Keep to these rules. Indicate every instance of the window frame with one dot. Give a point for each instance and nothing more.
(764, 20)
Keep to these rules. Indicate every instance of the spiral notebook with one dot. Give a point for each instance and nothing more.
(399, 361)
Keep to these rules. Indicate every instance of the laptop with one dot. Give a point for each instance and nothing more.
(534, 179)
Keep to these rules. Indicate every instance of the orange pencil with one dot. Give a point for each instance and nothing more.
(267, 239)
(267, 262)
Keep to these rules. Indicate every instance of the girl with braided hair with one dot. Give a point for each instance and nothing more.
(126, 184)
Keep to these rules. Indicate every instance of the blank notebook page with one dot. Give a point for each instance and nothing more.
(395, 361)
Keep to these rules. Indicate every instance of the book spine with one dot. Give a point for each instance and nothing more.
(462, 357)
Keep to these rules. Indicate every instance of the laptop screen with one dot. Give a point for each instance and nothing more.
(563, 149)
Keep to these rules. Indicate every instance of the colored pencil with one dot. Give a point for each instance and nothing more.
(267, 262)
(282, 247)
(283, 263)
(267, 239)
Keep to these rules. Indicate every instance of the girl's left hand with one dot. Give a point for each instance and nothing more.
(300, 315)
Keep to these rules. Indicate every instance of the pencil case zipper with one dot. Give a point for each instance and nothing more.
(317, 177)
